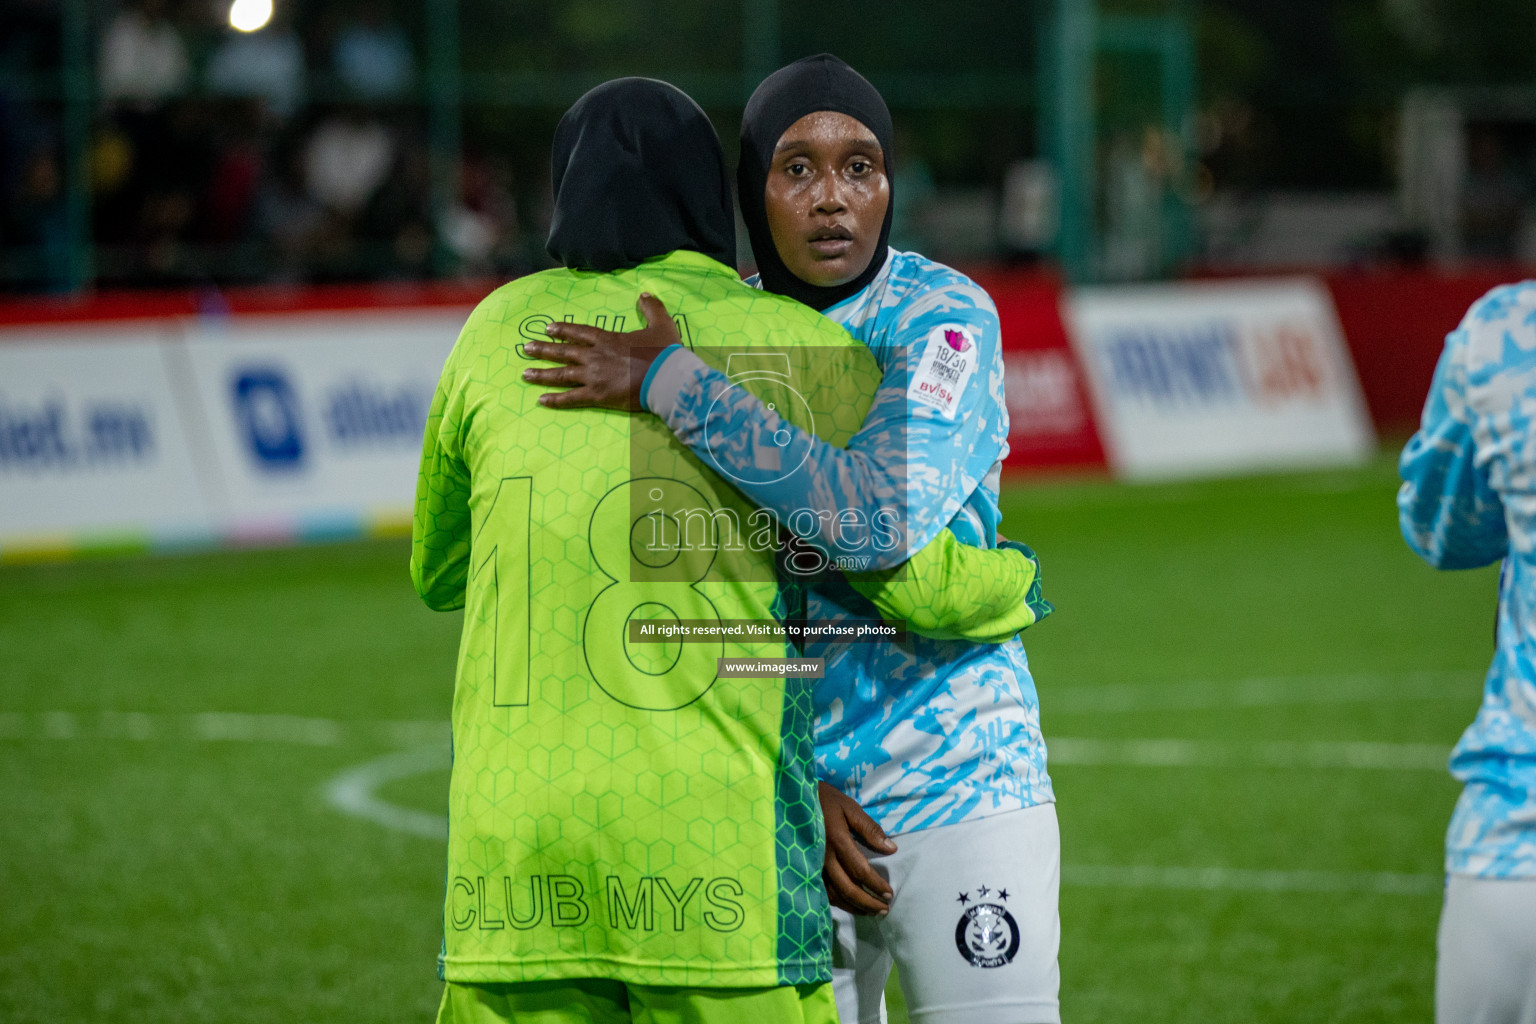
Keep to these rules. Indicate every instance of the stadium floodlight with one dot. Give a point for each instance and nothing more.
(250, 15)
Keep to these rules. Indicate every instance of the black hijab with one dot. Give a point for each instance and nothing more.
(815, 83)
(638, 173)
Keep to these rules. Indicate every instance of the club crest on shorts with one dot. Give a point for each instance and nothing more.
(986, 935)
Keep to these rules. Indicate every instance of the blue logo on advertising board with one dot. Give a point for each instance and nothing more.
(1217, 363)
(360, 414)
(267, 410)
(1193, 365)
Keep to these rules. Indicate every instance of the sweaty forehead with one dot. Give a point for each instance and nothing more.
(826, 128)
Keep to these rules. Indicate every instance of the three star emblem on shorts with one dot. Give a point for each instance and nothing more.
(982, 894)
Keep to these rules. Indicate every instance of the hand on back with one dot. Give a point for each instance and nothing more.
(601, 369)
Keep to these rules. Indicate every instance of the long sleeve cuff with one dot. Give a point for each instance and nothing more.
(669, 371)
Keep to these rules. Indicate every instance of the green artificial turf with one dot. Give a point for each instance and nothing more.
(168, 728)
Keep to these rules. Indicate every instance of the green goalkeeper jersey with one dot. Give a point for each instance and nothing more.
(619, 808)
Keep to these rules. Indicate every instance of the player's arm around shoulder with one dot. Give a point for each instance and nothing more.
(1448, 510)
(835, 372)
(813, 473)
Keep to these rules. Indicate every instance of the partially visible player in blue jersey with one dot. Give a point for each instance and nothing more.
(939, 741)
(1469, 499)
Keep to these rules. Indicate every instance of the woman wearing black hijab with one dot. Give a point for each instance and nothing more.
(638, 173)
(531, 520)
(859, 126)
(524, 518)
(939, 742)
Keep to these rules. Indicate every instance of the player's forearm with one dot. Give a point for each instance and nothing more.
(440, 521)
(953, 591)
(440, 586)
(439, 557)
(1447, 513)
(861, 505)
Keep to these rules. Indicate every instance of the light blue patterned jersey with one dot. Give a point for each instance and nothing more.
(1469, 498)
(927, 732)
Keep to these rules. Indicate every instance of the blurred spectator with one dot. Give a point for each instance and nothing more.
(1140, 175)
(346, 159)
(288, 217)
(268, 64)
(1493, 199)
(32, 226)
(176, 157)
(143, 58)
(397, 225)
(229, 201)
(113, 156)
(150, 172)
(372, 57)
(1027, 222)
(481, 229)
(29, 36)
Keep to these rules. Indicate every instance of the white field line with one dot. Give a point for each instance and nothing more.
(354, 792)
(1358, 688)
(235, 727)
(217, 727)
(1428, 757)
(1246, 880)
(1142, 494)
(258, 728)
(1254, 692)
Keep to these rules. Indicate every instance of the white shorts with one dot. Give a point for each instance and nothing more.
(973, 926)
(1486, 969)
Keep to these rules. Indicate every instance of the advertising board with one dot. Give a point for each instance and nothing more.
(316, 418)
(93, 440)
(1219, 377)
(1050, 419)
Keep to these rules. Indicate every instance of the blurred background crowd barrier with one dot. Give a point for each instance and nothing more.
(1223, 236)
(162, 143)
(147, 422)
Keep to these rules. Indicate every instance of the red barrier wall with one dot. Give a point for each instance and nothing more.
(1051, 423)
(1395, 323)
(212, 302)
